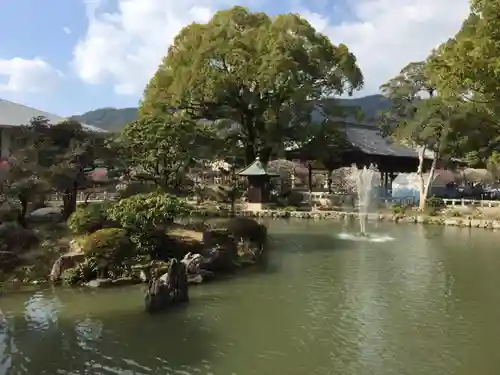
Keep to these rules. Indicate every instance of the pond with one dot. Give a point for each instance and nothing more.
(427, 302)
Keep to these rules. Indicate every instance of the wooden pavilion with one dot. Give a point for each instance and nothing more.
(364, 145)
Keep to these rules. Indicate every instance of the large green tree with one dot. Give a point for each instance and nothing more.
(259, 75)
(468, 63)
(422, 119)
(467, 66)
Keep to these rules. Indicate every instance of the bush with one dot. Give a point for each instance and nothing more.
(435, 202)
(295, 198)
(9, 214)
(16, 239)
(88, 219)
(111, 244)
(133, 188)
(71, 276)
(154, 244)
(146, 212)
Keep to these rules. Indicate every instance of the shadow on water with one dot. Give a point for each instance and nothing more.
(71, 333)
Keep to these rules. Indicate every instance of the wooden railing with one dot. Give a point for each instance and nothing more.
(471, 202)
(94, 197)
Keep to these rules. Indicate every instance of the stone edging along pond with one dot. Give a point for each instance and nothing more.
(463, 222)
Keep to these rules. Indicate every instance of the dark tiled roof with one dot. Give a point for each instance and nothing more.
(368, 139)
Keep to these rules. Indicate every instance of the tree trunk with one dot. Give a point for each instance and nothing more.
(21, 219)
(265, 155)
(69, 202)
(249, 154)
(424, 185)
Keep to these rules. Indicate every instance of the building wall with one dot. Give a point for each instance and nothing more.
(5, 138)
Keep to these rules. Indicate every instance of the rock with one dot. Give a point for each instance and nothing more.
(407, 219)
(192, 262)
(53, 214)
(168, 289)
(195, 279)
(64, 262)
(182, 287)
(219, 259)
(474, 223)
(99, 283)
(143, 276)
(76, 245)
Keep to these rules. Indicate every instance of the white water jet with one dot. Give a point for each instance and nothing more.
(363, 181)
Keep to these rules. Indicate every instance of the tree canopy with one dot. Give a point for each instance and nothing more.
(468, 63)
(467, 67)
(161, 149)
(419, 117)
(261, 75)
(59, 157)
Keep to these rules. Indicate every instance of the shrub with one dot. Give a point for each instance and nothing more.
(435, 202)
(89, 218)
(398, 209)
(295, 198)
(133, 188)
(145, 212)
(154, 244)
(88, 269)
(8, 214)
(111, 244)
(16, 239)
(71, 276)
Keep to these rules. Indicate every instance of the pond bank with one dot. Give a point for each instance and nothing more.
(207, 251)
(414, 218)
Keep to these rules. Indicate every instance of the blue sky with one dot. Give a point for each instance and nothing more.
(71, 56)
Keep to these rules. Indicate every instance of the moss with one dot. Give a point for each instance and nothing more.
(111, 243)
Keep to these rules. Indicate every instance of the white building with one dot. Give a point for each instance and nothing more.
(13, 115)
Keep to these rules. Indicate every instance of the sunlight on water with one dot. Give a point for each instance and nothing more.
(368, 237)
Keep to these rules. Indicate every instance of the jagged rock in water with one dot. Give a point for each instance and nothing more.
(168, 289)
(182, 284)
(196, 274)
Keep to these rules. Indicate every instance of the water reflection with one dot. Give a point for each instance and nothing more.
(50, 336)
(425, 303)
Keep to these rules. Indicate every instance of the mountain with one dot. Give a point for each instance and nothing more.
(114, 119)
(110, 119)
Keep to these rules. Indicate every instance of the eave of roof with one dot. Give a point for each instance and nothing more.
(14, 114)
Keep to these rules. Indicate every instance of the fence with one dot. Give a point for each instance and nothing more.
(471, 202)
(92, 197)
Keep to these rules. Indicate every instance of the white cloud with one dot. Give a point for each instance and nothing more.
(125, 47)
(388, 34)
(20, 76)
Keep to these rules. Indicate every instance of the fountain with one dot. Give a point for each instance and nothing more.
(362, 181)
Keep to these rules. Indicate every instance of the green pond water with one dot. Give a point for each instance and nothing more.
(425, 303)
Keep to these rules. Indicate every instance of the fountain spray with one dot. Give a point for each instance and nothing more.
(362, 181)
